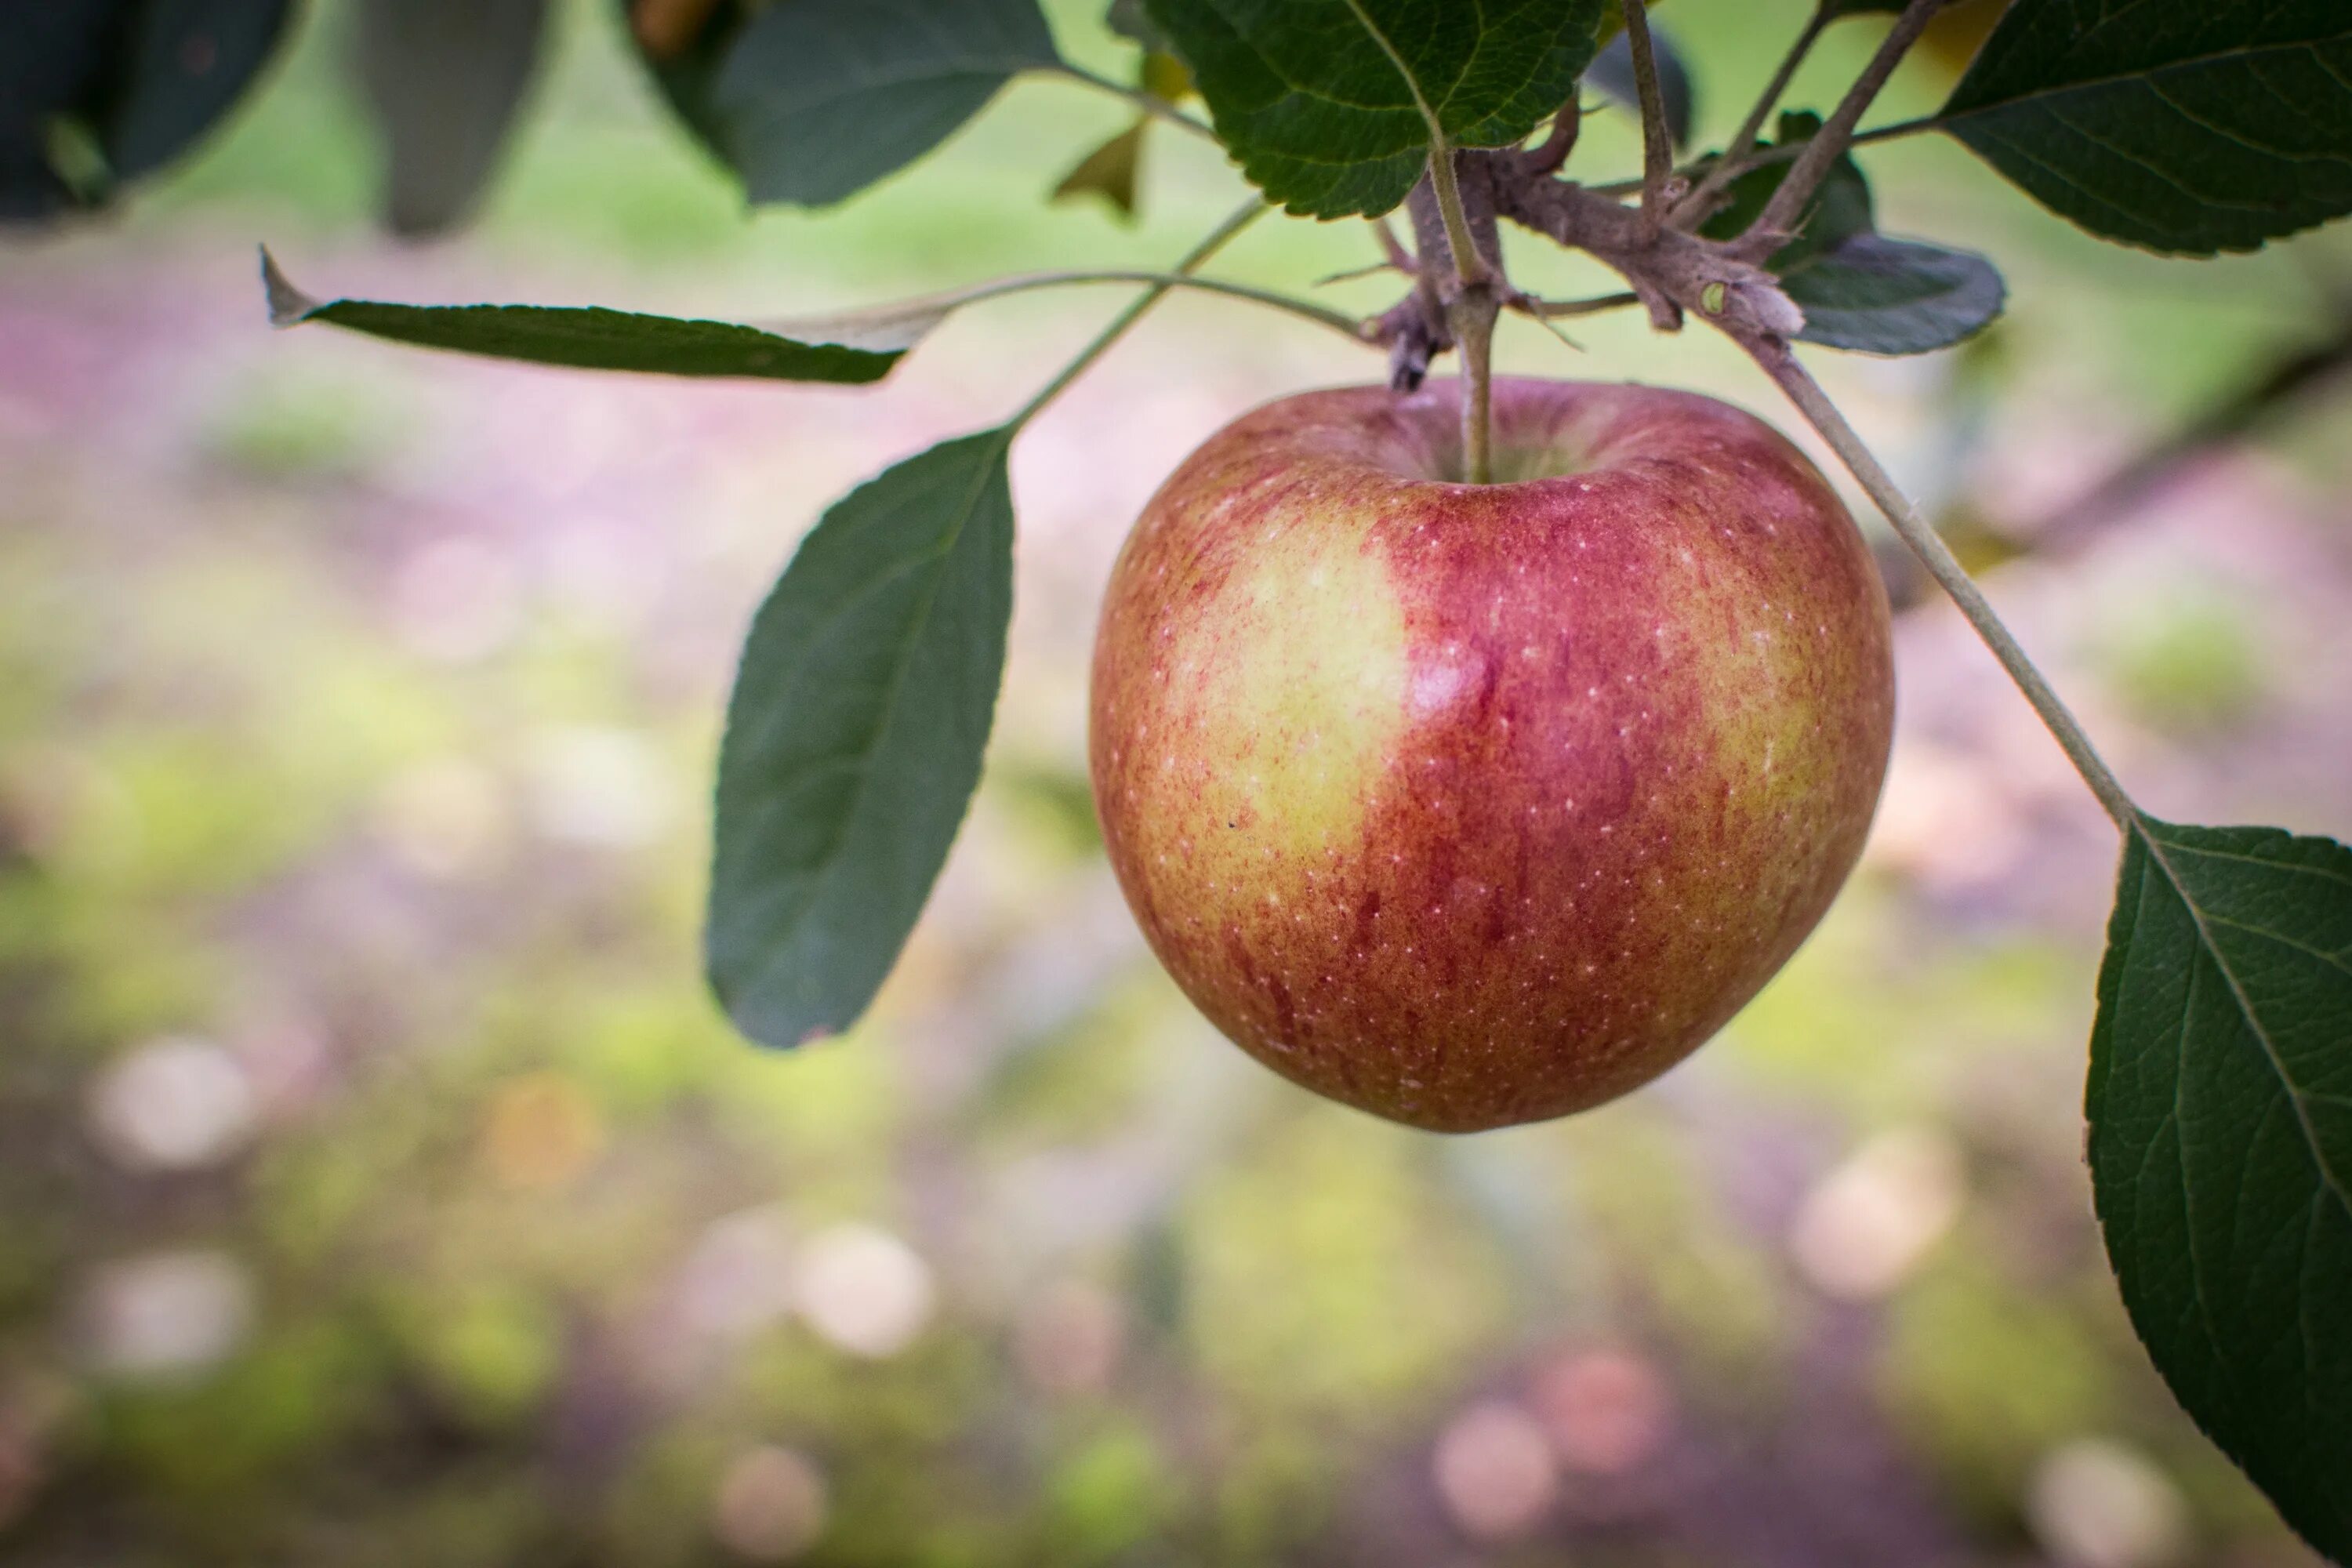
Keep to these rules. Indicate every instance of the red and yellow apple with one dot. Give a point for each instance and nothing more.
(1474, 804)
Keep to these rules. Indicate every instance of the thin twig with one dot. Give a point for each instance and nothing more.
(1150, 102)
(1243, 217)
(1780, 216)
(1549, 309)
(1693, 207)
(1792, 378)
(1474, 324)
(1657, 145)
(1020, 283)
(1547, 157)
(1763, 157)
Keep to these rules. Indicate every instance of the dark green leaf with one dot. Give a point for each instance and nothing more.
(2220, 1110)
(1841, 208)
(1892, 296)
(854, 738)
(587, 338)
(1611, 74)
(95, 93)
(51, 57)
(1108, 171)
(443, 78)
(1322, 100)
(812, 100)
(2187, 126)
(188, 61)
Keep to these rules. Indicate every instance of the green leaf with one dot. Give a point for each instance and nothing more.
(1884, 295)
(1108, 171)
(810, 101)
(2220, 1148)
(186, 62)
(1327, 103)
(2188, 126)
(443, 78)
(1611, 74)
(587, 338)
(854, 738)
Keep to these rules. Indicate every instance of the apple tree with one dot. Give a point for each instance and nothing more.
(2219, 1080)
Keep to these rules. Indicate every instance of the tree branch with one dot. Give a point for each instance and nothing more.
(1778, 219)
(1671, 271)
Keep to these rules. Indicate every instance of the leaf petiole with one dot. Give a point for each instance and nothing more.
(1151, 103)
(1780, 363)
(1243, 217)
(1693, 208)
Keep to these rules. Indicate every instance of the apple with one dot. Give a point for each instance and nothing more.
(1475, 804)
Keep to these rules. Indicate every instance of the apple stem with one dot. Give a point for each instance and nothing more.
(1780, 363)
(1471, 304)
(1242, 217)
(1474, 324)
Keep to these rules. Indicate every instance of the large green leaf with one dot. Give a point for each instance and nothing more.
(588, 337)
(812, 100)
(854, 738)
(2181, 125)
(1884, 295)
(443, 78)
(2221, 1111)
(1326, 103)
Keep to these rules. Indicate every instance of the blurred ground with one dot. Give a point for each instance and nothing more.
(378, 1186)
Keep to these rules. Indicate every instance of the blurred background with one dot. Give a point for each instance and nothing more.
(378, 1184)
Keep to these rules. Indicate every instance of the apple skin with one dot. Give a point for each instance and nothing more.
(1470, 804)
